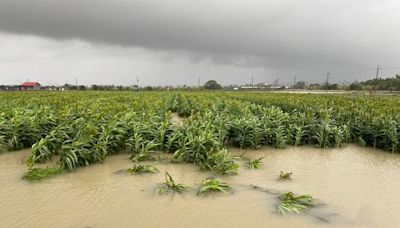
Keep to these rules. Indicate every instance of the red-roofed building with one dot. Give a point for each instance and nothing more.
(30, 86)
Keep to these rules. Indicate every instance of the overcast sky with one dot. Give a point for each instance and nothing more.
(176, 42)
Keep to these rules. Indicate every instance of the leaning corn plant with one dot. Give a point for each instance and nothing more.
(285, 175)
(140, 169)
(291, 204)
(240, 157)
(170, 186)
(213, 185)
(255, 164)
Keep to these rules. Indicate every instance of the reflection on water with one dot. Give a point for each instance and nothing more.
(359, 184)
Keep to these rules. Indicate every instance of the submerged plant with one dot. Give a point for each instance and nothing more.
(240, 157)
(37, 174)
(291, 204)
(213, 185)
(255, 164)
(285, 176)
(170, 186)
(139, 169)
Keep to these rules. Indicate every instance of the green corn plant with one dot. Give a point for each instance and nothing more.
(79, 153)
(135, 143)
(322, 135)
(299, 132)
(170, 186)
(3, 146)
(19, 134)
(256, 136)
(267, 132)
(198, 143)
(50, 145)
(4, 133)
(174, 140)
(247, 133)
(339, 136)
(84, 128)
(346, 132)
(68, 156)
(213, 185)
(280, 138)
(291, 204)
(160, 127)
(146, 152)
(112, 137)
(390, 134)
(221, 163)
(362, 142)
(42, 151)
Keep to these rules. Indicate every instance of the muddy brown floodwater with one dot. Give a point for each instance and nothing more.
(359, 187)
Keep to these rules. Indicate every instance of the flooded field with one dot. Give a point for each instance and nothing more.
(358, 187)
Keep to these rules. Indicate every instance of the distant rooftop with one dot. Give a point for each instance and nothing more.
(30, 84)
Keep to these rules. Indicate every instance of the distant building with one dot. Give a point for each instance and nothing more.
(250, 87)
(11, 87)
(30, 86)
(262, 86)
(134, 87)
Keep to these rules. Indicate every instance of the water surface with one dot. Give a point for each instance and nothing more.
(359, 187)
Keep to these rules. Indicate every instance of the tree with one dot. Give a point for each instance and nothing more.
(212, 84)
(300, 85)
(327, 86)
(148, 88)
(355, 86)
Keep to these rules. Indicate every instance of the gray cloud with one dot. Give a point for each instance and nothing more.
(285, 37)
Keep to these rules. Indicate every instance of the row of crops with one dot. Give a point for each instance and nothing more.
(81, 128)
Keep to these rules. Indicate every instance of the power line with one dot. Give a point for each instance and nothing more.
(352, 72)
(391, 68)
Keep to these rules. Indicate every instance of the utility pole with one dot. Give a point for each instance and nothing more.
(377, 71)
(137, 81)
(327, 80)
(294, 82)
(198, 80)
(76, 83)
(252, 81)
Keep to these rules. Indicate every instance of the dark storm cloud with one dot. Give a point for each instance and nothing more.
(289, 36)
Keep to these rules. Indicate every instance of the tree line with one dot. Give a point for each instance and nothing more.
(377, 84)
